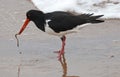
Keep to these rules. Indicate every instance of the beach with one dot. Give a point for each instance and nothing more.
(92, 52)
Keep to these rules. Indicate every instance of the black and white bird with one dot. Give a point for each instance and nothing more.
(59, 23)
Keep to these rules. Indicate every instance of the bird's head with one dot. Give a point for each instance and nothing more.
(31, 15)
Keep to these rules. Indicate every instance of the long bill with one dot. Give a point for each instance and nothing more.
(22, 29)
(24, 26)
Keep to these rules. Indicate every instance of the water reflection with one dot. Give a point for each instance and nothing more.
(19, 69)
(64, 66)
(63, 63)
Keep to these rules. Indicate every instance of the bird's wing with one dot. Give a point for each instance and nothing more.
(64, 21)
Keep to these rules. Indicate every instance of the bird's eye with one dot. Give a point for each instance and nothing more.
(28, 15)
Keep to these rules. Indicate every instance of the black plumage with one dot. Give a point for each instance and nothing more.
(61, 21)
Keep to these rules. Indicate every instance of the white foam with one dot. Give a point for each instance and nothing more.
(110, 10)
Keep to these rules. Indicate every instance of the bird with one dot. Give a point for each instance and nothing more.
(59, 23)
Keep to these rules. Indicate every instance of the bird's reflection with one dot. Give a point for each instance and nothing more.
(64, 66)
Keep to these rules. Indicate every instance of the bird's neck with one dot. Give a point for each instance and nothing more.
(40, 24)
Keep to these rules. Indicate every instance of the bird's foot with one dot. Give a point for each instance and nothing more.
(60, 53)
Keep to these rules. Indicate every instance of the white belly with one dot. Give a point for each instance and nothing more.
(50, 31)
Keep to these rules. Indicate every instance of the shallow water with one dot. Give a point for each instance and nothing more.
(86, 55)
(93, 52)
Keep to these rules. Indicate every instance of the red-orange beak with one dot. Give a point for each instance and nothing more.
(24, 26)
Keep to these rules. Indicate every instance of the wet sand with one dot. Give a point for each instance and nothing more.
(93, 52)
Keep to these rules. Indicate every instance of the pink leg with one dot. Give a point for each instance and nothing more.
(61, 52)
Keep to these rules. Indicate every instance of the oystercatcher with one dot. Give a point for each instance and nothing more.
(59, 23)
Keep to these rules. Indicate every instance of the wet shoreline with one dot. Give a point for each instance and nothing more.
(93, 52)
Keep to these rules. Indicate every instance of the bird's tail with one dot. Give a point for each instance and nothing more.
(94, 19)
